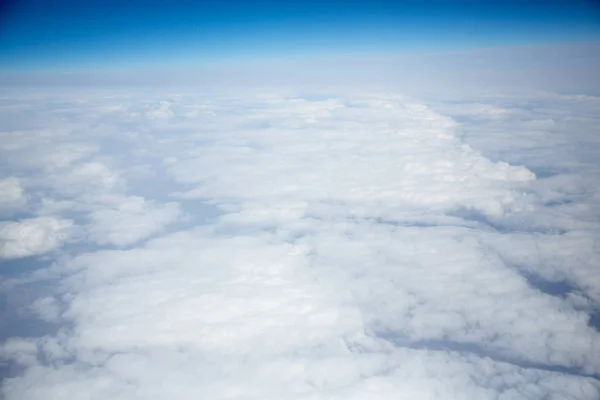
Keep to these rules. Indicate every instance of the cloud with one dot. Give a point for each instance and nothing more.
(87, 177)
(130, 219)
(32, 236)
(47, 309)
(361, 246)
(350, 159)
(12, 195)
(163, 112)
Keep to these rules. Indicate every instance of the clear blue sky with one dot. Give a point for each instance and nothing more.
(67, 34)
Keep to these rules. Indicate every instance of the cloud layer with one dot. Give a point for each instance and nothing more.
(340, 246)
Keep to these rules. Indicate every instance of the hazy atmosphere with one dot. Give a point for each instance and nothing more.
(299, 200)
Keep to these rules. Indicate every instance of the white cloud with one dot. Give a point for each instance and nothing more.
(401, 373)
(162, 112)
(129, 219)
(367, 246)
(47, 308)
(12, 195)
(33, 236)
(87, 177)
(386, 152)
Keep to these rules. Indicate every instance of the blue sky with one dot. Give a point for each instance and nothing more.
(65, 34)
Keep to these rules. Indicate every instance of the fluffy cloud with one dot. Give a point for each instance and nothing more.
(162, 112)
(124, 221)
(381, 152)
(12, 195)
(33, 236)
(363, 246)
(46, 308)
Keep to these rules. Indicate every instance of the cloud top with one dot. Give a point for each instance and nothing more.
(347, 246)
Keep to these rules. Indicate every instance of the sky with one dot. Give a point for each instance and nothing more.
(90, 34)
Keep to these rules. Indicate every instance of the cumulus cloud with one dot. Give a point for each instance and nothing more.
(32, 236)
(126, 220)
(162, 112)
(350, 158)
(86, 177)
(46, 308)
(362, 246)
(12, 195)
